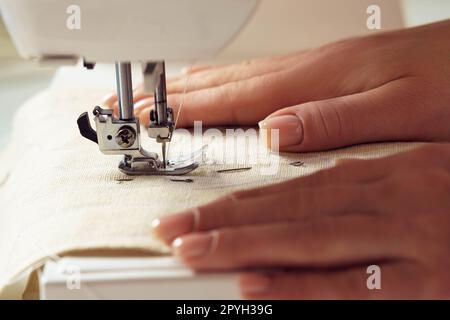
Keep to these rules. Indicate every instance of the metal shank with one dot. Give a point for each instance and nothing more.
(124, 90)
(160, 97)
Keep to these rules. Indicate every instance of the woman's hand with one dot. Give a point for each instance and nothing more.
(390, 86)
(327, 228)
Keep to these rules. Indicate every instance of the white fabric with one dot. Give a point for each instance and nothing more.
(58, 193)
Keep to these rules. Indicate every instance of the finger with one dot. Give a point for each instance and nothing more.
(349, 283)
(112, 103)
(143, 104)
(346, 161)
(257, 61)
(188, 71)
(247, 101)
(199, 79)
(138, 95)
(109, 99)
(196, 68)
(355, 172)
(144, 116)
(381, 114)
(221, 105)
(291, 205)
(311, 194)
(232, 73)
(434, 154)
(241, 102)
(320, 242)
(218, 74)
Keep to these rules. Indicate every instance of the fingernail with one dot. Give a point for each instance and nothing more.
(195, 245)
(169, 227)
(290, 130)
(254, 283)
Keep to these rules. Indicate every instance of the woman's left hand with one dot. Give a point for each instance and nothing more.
(327, 229)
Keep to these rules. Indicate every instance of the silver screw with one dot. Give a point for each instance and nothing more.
(126, 136)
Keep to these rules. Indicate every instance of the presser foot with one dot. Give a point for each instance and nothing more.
(150, 166)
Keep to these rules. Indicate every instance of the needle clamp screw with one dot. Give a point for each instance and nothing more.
(126, 136)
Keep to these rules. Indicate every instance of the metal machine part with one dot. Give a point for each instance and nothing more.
(56, 33)
(124, 90)
(122, 135)
(161, 118)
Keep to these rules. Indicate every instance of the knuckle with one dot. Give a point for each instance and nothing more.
(324, 123)
(337, 47)
(227, 96)
(372, 42)
(324, 120)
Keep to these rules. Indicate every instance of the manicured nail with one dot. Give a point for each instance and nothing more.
(194, 245)
(254, 283)
(290, 130)
(169, 227)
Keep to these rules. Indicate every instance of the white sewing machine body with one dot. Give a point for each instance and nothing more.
(118, 30)
(132, 278)
(149, 32)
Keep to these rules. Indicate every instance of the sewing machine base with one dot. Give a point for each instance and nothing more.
(132, 278)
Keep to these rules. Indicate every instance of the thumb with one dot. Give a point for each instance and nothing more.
(391, 112)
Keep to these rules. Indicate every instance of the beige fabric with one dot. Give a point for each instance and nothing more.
(58, 193)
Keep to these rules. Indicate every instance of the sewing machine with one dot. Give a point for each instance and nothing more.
(146, 32)
(154, 278)
(57, 32)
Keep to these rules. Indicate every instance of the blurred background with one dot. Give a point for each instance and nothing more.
(20, 79)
